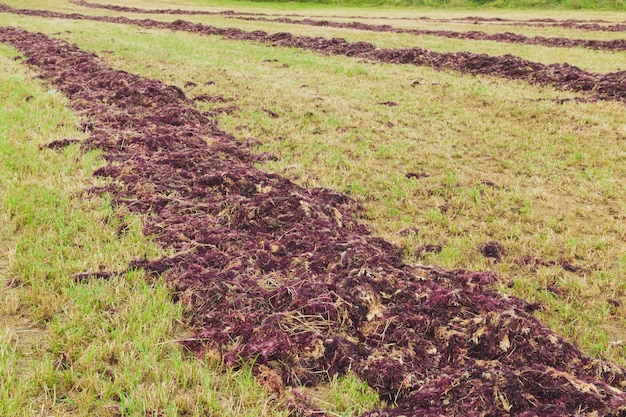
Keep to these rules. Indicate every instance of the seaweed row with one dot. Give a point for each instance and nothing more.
(507, 37)
(598, 25)
(591, 24)
(285, 278)
(609, 86)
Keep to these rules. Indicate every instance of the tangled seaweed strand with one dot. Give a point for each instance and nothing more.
(507, 37)
(610, 86)
(284, 277)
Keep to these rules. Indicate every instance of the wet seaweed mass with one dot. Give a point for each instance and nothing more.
(286, 278)
(609, 86)
(507, 37)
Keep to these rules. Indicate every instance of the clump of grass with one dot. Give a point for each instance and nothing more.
(344, 396)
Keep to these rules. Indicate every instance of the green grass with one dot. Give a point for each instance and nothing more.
(503, 162)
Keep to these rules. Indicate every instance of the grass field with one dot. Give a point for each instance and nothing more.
(467, 4)
(530, 167)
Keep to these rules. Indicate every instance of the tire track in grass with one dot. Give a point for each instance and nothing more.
(283, 277)
(507, 37)
(610, 86)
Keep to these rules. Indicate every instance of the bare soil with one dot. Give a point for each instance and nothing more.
(286, 278)
(609, 86)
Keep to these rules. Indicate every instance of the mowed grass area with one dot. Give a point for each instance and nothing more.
(590, 60)
(499, 160)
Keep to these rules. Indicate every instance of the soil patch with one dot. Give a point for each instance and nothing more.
(285, 278)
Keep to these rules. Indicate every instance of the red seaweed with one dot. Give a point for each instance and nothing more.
(59, 144)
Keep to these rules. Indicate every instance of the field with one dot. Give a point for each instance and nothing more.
(249, 209)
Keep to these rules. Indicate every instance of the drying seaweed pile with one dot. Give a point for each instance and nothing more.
(507, 37)
(610, 86)
(284, 277)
